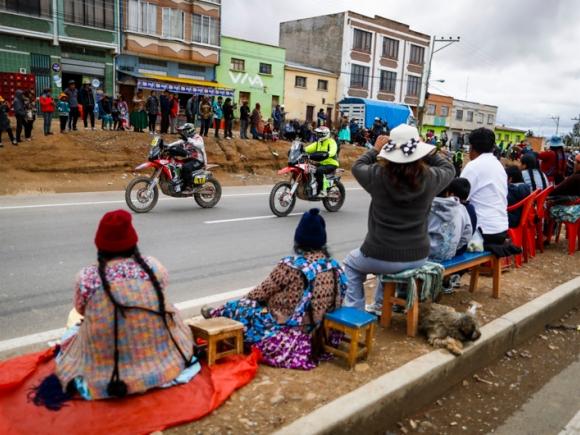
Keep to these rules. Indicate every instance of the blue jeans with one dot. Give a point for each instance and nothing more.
(47, 121)
(254, 131)
(357, 266)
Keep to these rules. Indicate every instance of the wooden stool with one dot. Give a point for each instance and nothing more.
(389, 299)
(354, 323)
(219, 331)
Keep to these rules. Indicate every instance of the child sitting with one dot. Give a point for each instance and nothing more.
(517, 190)
(449, 226)
(267, 133)
(460, 188)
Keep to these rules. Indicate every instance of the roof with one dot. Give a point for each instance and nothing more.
(503, 127)
(253, 42)
(473, 102)
(312, 69)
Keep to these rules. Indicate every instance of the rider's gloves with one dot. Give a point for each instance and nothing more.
(177, 152)
(319, 156)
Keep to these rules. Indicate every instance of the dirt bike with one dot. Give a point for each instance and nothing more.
(303, 184)
(142, 193)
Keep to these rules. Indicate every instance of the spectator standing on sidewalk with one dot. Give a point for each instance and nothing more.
(218, 114)
(138, 116)
(123, 113)
(63, 110)
(190, 110)
(73, 100)
(105, 113)
(19, 113)
(86, 98)
(255, 120)
(244, 120)
(173, 114)
(5, 122)
(152, 108)
(277, 118)
(321, 118)
(228, 110)
(165, 107)
(205, 113)
(47, 109)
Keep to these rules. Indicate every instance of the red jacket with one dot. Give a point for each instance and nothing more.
(552, 164)
(174, 108)
(46, 104)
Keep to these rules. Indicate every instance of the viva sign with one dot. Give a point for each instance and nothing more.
(243, 78)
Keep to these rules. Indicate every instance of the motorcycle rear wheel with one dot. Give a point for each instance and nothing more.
(334, 201)
(144, 201)
(280, 205)
(210, 195)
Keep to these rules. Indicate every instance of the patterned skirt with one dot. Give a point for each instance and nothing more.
(565, 213)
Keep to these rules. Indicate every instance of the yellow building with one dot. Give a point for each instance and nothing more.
(307, 90)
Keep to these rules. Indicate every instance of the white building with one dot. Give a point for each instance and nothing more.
(467, 116)
(374, 58)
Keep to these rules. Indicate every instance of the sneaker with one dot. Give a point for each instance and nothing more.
(15, 143)
(455, 280)
(447, 290)
(376, 309)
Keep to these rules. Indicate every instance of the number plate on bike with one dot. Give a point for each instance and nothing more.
(199, 179)
(154, 142)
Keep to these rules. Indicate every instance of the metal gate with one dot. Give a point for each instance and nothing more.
(40, 67)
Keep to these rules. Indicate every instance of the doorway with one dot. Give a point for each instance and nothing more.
(309, 113)
(329, 117)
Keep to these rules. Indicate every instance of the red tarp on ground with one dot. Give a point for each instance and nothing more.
(140, 414)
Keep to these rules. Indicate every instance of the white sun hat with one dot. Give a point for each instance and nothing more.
(405, 145)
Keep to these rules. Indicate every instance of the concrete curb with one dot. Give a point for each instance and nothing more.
(389, 398)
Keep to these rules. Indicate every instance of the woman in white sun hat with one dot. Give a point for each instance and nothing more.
(403, 175)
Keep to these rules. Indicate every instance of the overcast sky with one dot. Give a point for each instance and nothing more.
(522, 56)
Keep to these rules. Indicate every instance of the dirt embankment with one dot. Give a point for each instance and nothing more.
(87, 160)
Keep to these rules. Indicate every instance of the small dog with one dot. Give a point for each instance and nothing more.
(445, 327)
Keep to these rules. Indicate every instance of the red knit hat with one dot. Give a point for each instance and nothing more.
(116, 232)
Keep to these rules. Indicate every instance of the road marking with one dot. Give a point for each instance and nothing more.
(77, 204)
(251, 218)
(55, 334)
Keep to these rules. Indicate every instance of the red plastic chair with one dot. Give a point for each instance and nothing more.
(541, 216)
(520, 235)
(572, 232)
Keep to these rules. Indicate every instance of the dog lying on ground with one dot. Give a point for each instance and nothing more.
(445, 327)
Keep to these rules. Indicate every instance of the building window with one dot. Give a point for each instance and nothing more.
(265, 68)
(145, 62)
(237, 64)
(362, 40)
(459, 115)
(359, 77)
(205, 30)
(173, 23)
(142, 17)
(37, 8)
(417, 55)
(300, 82)
(431, 109)
(93, 13)
(390, 48)
(322, 85)
(388, 81)
(469, 116)
(490, 119)
(444, 111)
(413, 86)
(506, 136)
(480, 118)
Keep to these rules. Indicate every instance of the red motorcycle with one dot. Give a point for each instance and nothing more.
(303, 184)
(142, 193)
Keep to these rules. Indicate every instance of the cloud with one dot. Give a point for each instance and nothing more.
(518, 55)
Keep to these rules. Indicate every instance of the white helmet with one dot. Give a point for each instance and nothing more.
(322, 132)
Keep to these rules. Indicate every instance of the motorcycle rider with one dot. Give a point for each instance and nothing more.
(193, 158)
(324, 151)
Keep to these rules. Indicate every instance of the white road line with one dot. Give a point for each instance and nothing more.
(251, 218)
(77, 204)
(185, 307)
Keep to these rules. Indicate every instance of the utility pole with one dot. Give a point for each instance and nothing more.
(434, 40)
(576, 131)
(556, 119)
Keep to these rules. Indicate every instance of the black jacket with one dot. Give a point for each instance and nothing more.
(228, 110)
(86, 97)
(245, 113)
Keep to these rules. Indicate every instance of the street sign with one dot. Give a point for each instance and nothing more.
(56, 67)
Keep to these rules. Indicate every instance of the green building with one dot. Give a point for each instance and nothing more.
(254, 70)
(60, 40)
(508, 134)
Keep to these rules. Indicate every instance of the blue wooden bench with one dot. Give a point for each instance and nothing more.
(352, 322)
(473, 261)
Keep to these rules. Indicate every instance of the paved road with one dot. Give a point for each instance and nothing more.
(549, 410)
(45, 240)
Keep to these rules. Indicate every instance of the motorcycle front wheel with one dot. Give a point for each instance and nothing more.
(138, 197)
(209, 194)
(335, 199)
(281, 200)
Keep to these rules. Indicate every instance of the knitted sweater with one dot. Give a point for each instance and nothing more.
(397, 222)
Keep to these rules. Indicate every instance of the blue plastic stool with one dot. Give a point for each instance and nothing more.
(353, 323)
